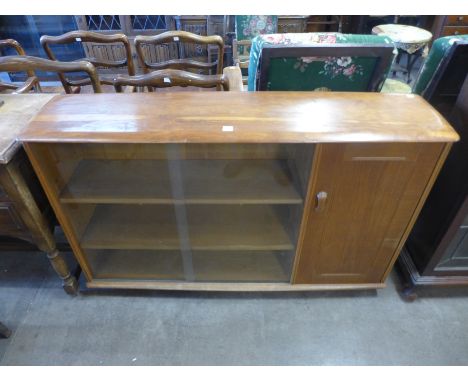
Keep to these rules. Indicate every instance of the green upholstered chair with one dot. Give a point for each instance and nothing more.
(248, 27)
(440, 50)
(435, 62)
(319, 61)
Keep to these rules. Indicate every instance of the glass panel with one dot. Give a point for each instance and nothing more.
(203, 212)
(103, 22)
(136, 264)
(456, 255)
(27, 30)
(148, 22)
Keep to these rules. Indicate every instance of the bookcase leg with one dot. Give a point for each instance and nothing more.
(69, 282)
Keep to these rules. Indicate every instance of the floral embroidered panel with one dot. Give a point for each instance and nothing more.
(321, 73)
(315, 73)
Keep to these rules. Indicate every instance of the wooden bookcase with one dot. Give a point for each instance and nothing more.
(232, 191)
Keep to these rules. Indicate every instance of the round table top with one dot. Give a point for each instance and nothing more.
(406, 34)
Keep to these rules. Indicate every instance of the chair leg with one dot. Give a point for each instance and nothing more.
(4, 331)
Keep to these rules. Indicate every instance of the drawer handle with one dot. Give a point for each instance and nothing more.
(320, 200)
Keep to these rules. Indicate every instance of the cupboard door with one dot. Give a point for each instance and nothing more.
(360, 206)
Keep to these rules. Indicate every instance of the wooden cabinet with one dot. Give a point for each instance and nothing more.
(232, 191)
(371, 191)
(436, 252)
(450, 26)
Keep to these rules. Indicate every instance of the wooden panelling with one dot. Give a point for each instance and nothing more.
(454, 31)
(457, 20)
(10, 224)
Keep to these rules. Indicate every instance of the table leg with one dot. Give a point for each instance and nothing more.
(69, 282)
(397, 61)
(15, 185)
(412, 58)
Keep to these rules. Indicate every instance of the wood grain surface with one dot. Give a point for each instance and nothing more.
(250, 117)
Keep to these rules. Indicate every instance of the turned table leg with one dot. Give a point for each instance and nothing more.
(14, 183)
(69, 282)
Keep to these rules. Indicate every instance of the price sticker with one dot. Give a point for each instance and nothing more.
(228, 128)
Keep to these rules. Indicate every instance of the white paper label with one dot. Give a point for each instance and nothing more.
(78, 39)
(167, 80)
(176, 38)
(228, 128)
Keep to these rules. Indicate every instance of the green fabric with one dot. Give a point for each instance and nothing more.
(324, 74)
(439, 49)
(309, 73)
(248, 27)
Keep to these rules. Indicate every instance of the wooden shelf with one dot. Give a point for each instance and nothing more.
(256, 266)
(203, 182)
(223, 227)
(213, 266)
(153, 265)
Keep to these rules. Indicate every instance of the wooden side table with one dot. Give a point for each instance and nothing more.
(409, 40)
(24, 210)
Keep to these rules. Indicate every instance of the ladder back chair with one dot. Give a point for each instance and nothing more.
(172, 77)
(32, 81)
(100, 63)
(25, 63)
(179, 63)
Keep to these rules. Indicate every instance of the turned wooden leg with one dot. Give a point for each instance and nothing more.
(12, 179)
(69, 282)
(4, 331)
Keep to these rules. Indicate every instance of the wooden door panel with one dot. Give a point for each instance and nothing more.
(373, 190)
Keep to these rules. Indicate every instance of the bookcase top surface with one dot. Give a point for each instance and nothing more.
(238, 117)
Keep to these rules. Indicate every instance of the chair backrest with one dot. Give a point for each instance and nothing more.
(25, 63)
(443, 73)
(31, 82)
(320, 61)
(179, 63)
(246, 28)
(171, 77)
(94, 38)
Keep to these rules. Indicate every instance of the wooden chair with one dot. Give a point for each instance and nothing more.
(246, 28)
(319, 62)
(25, 63)
(442, 75)
(179, 63)
(31, 83)
(90, 37)
(172, 77)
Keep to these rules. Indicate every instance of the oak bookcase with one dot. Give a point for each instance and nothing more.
(237, 191)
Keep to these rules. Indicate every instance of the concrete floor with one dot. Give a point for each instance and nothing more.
(182, 328)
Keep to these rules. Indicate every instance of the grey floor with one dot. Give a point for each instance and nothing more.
(182, 328)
